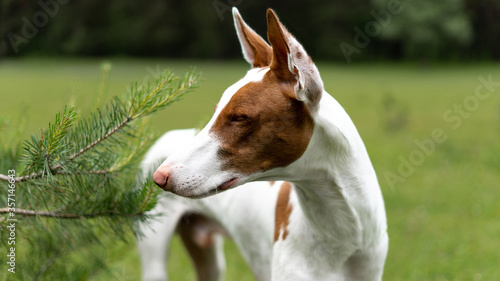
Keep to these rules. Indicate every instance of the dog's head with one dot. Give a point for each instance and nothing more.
(262, 123)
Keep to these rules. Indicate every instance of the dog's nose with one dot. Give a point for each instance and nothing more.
(161, 176)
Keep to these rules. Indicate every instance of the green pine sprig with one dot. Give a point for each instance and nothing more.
(79, 185)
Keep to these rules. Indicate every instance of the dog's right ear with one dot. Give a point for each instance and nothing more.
(255, 50)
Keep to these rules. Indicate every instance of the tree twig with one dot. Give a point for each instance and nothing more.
(130, 117)
(96, 142)
(55, 168)
(55, 172)
(23, 178)
(33, 213)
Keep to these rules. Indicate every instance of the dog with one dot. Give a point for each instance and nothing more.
(280, 168)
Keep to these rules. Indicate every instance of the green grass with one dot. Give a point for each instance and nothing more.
(443, 219)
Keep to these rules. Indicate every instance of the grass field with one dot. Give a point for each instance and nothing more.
(434, 143)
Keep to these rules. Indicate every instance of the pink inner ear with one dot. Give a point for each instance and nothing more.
(296, 70)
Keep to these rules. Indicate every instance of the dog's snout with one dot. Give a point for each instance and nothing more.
(161, 177)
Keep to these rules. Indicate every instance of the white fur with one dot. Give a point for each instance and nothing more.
(247, 214)
(196, 169)
(337, 228)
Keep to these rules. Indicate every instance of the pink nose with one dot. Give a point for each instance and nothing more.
(161, 176)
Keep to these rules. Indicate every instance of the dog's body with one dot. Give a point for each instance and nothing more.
(327, 222)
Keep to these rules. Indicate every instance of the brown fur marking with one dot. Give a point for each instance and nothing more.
(283, 211)
(197, 233)
(262, 127)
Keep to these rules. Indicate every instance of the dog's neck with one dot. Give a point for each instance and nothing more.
(337, 188)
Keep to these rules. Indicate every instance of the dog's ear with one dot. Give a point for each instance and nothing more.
(291, 63)
(255, 50)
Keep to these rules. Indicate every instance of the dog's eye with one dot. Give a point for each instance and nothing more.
(240, 118)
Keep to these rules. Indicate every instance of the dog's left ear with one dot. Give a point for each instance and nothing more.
(291, 63)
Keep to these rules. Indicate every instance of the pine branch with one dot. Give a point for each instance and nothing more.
(79, 181)
(7, 178)
(99, 140)
(33, 213)
(144, 101)
(22, 178)
(149, 196)
(55, 172)
(57, 131)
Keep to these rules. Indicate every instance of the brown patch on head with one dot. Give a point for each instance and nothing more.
(283, 211)
(262, 127)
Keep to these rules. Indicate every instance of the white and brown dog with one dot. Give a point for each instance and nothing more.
(323, 220)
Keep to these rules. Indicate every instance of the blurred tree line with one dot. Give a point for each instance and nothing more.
(333, 29)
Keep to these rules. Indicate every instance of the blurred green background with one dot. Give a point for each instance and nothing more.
(404, 29)
(418, 73)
